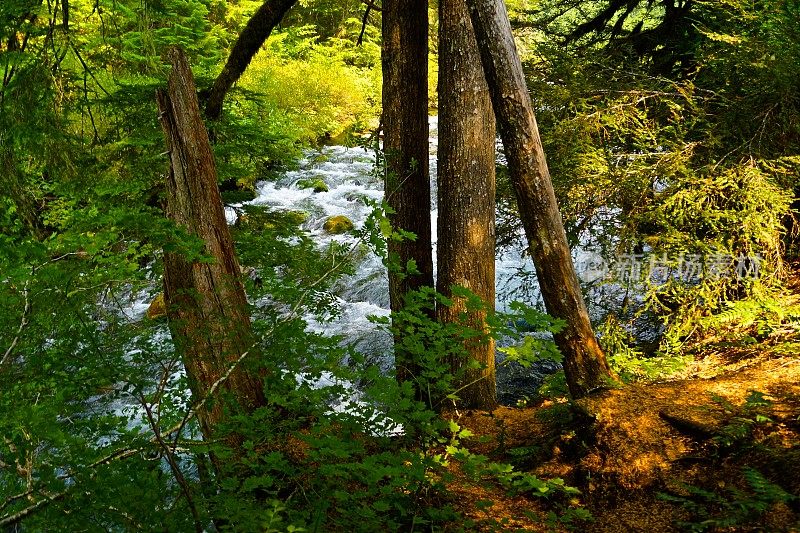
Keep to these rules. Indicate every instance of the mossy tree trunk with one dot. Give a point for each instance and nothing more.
(466, 194)
(205, 300)
(585, 364)
(405, 143)
(253, 36)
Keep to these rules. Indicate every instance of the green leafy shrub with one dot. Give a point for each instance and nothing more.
(310, 95)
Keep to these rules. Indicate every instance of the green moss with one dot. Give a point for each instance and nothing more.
(158, 307)
(338, 224)
(238, 196)
(295, 217)
(260, 218)
(318, 184)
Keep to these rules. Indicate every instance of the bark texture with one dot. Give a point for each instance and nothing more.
(405, 143)
(206, 304)
(253, 36)
(466, 191)
(585, 364)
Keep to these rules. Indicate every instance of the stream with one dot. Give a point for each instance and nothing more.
(350, 177)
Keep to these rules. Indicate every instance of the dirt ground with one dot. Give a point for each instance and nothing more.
(718, 450)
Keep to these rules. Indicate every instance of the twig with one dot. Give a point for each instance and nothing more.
(87, 69)
(23, 323)
(364, 21)
(12, 519)
(173, 464)
(12, 499)
(371, 5)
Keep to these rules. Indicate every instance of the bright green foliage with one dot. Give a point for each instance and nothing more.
(305, 86)
(82, 167)
(738, 429)
(743, 502)
(304, 467)
(97, 432)
(679, 150)
(628, 361)
(534, 347)
(332, 18)
(79, 144)
(567, 510)
(755, 319)
(310, 91)
(429, 344)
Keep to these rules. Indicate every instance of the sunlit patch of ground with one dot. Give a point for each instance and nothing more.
(624, 447)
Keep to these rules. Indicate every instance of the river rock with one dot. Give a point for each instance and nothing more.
(158, 307)
(317, 184)
(258, 218)
(338, 224)
(517, 383)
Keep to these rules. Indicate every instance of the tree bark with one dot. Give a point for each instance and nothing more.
(466, 195)
(205, 300)
(405, 143)
(585, 364)
(253, 36)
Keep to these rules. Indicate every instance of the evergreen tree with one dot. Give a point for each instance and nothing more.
(585, 364)
(405, 146)
(466, 200)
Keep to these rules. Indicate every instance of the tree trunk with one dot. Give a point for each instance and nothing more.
(466, 187)
(585, 364)
(405, 143)
(253, 36)
(206, 304)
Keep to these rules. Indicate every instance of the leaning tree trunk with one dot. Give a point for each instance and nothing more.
(405, 144)
(585, 364)
(253, 36)
(206, 304)
(466, 190)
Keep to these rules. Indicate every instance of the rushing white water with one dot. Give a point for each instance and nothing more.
(350, 177)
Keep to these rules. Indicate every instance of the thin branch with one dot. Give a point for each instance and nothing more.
(371, 5)
(10, 520)
(173, 464)
(96, 136)
(23, 323)
(87, 69)
(12, 499)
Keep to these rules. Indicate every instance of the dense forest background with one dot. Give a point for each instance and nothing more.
(672, 133)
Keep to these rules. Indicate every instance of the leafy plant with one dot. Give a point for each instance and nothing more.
(731, 508)
(629, 362)
(738, 429)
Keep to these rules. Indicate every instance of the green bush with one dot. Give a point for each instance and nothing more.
(313, 95)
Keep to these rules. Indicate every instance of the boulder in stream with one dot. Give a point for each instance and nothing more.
(317, 184)
(158, 307)
(338, 224)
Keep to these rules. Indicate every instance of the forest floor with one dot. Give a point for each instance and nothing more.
(716, 450)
